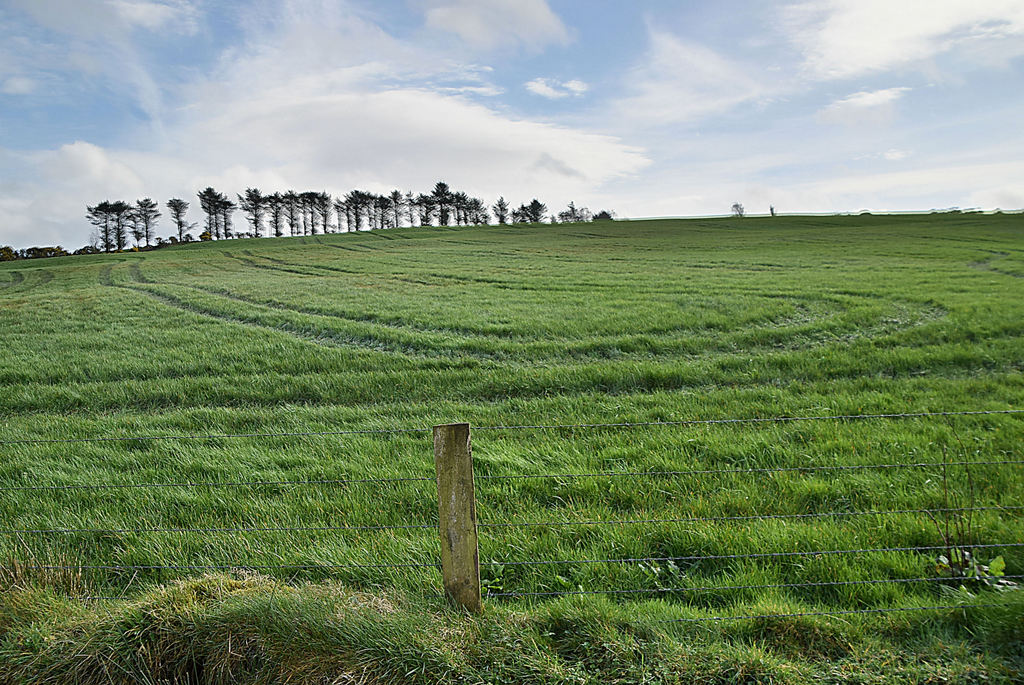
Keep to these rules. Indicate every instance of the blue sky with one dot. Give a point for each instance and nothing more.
(648, 108)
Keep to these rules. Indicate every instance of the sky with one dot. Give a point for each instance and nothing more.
(646, 108)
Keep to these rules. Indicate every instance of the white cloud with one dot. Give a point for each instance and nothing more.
(875, 107)
(109, 19)
(98, 38)
(576, 86)
(288, 109)
(679, 82)
(18, 85)
(554, 90)
(156, 15)
(846, 38)
(486, 24)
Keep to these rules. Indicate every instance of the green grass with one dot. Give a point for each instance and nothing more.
(627, 321)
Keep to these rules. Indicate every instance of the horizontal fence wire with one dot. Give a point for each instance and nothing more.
(753, 555)
(716, 588)
(214, 436)
(764, 469)
(220, 567)
(421, 526)
(216, 484)
(621, 424)
(772, 419)
(841, 612)
(565, 476)
(747, 517)
(238, 529)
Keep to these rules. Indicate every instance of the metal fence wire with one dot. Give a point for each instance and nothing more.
(496, 527)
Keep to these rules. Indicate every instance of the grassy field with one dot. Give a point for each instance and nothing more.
(619, 322)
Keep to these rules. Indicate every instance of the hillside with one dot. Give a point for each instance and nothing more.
(309, 556)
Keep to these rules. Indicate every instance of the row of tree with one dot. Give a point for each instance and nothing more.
(9, 254)
(308, 213)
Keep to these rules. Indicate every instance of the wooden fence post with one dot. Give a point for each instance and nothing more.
(460, 556)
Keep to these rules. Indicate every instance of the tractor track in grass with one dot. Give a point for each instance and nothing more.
(283, 263)
(685, 344)
(987, 265)
(17, 278)
(23, 282)
(271, 267)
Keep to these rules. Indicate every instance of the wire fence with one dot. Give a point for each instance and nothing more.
(678, 592)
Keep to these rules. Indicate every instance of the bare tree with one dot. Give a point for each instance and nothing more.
(737, 209)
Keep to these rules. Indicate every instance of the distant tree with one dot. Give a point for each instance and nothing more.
(7, 253)
(425, 206)
(500, 210)
(574, 214)
(307, 201)
(101, 216)
(478, 212)
(341, 211)
(178, 207)
(604, 215)
(771, 209)
(254, 204)
(442, 196)
(121, 212)
(536, 210)
(354, 208)
(226, 209)
(134, 226)
(147, 213)
(42, 252)
(87, 249)
(397, 201)
(275, 205)
(291, 210)
(737, 209)
(209, 202)
(381, 210)
(460, 207)
(521, 215)
(324, 204)
(409, 206)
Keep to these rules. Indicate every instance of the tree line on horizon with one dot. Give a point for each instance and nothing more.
(291, 213)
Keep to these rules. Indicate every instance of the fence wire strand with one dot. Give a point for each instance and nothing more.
(621, 424)
(241, 529)
(765, 469)
(843, 612)
(215, 484)
(772, 419)
(748, 517)
(711, 588)
(215, 436)
(564, 476)
(753, 555)
(219, 567)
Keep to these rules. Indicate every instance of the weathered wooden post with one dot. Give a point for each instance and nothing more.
(460, 556)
